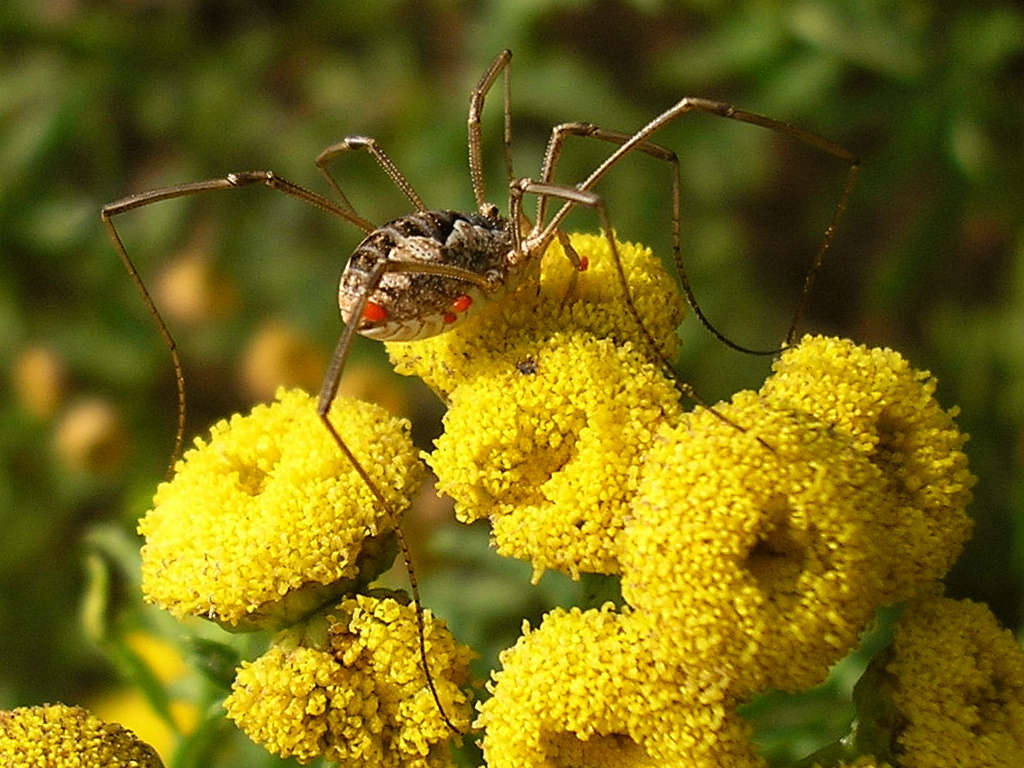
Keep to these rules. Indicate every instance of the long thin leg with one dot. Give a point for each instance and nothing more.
(328, 393)
(476, 106)
(332, 379)
(588, 130)
(231, 181)
(537, 244)
(350, 143)
(720, 109)
(576, 196)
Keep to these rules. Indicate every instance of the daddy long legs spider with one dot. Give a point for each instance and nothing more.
(423, 273)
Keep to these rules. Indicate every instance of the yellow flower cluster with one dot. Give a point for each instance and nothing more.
(553, 403)
(956, 679)
(890, 412)
(755, 552)
(754, 541)
(59, 736)
(579, 690)
(551, 454)
(765, 549)
(263, 525)
(351, 689)
(268, 520)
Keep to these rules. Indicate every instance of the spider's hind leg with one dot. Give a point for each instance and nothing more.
(639, 141)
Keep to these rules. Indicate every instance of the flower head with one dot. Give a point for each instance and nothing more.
(889, 411)
(548, 444)
(59, 736)
(269, 508)
(956, 681)
(563, 301)
(352, 689)
(753, 547)
(579, 690)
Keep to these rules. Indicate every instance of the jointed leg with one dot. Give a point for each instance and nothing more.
(588, 130)
(639, 141)
(328, 393)
(350, 143)
(575, 196)
(231, 181)
(476, 105)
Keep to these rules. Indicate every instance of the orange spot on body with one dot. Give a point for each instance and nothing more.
(584, 264)
(374, 312)
(449, 317)
(462, 303)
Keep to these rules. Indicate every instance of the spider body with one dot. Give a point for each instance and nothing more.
(407, 304)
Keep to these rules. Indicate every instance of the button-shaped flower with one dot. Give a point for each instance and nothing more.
(889, 410)
(548, 444)
(580, 689)
(59, 736)
(351, 688)
(754, 547)
(560, 300)
(953, 683)
(267, 519)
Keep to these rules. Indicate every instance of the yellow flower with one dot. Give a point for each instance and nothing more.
(890, 412)
(59, 736)
(560, 300)
(759, 560)
(579, 690)
(352, 689)
(550, 448)
(956, 679)
(269, 520)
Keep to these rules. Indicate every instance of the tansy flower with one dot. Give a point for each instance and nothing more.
(889, 411)
(579, 690)
(351, 688)
(59, 736)
(955, 682)
(548, 441)
(268, 520)
(753, 547)
(563, 301)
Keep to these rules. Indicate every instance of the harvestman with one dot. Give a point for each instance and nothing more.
(420, 274)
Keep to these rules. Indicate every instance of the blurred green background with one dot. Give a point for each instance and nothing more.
(100, 99)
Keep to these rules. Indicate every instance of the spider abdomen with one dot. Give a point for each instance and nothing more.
(408, 304)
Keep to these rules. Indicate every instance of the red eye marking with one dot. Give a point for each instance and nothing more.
(462, 303)
(374, 312)
(449, 317)
(584, 263)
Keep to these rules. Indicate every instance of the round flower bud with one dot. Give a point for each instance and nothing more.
(889, 411)
(548, 444)
(949, 691)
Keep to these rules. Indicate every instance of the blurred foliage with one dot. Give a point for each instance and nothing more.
(100, 99)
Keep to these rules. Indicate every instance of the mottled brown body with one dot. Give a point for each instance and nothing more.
(408, 304)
